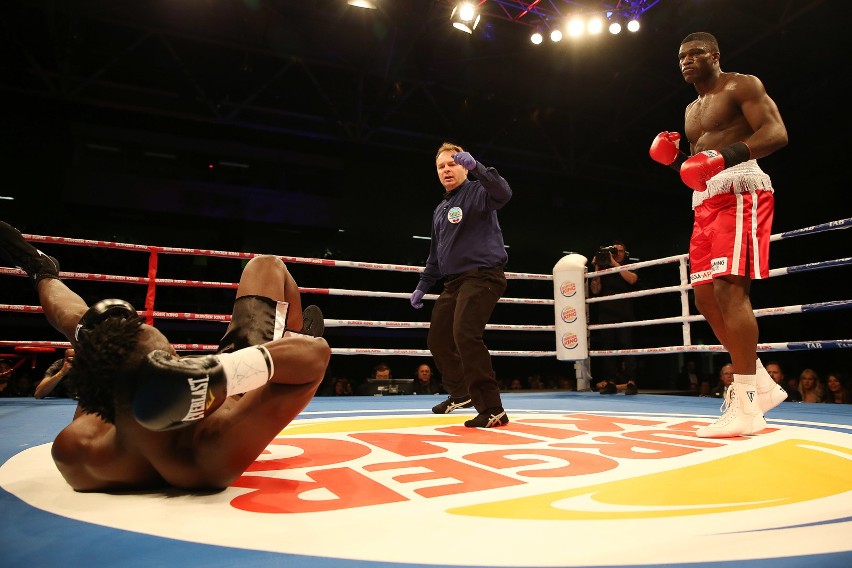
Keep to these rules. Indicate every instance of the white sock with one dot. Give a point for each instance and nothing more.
(750, 380)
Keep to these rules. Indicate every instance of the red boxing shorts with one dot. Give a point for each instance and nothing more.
(730, 235)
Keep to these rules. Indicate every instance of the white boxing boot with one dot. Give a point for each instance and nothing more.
(769, 393)
(741, 414)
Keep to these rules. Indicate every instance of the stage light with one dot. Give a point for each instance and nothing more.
(595, 25)
(576, 27)
(536, 38)
(555, 36)
(362, 4)
(464, 17)
(615, 28)
(633, 25)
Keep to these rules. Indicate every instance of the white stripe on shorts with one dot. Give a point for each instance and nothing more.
(281, 309)
(755, 261)
(736, 253)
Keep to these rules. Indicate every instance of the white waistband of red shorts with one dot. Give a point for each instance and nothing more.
(742, 178)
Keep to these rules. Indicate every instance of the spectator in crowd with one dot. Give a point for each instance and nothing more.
(613, 387)
(382, 371)
(837, 389)
(13, 382)
(704, 388)
(55, 381)
(7, 371)
(690, 377)
(613, 311)
(341, 387)
(19, 385)
(793, 385)
(534, 382)
(425, 382)
(726, 379)
(777, 373)
(810, 386)
(622, 382)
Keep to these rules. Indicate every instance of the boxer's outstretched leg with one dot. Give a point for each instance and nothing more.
(21, 254)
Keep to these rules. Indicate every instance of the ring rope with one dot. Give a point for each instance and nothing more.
(781, 346)
(683, 288)
(772, 273)
(190, 347)
(226, 318)
(248, 255)
(781, 310)
(830, 226)
(233, 285)
(761, 347)
(637, 265)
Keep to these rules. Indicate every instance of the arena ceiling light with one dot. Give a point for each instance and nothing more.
(465, 17)
(595, 25)
(536, 37)
(551, 19)
(362, 4)
(589, 17)
(576, 25)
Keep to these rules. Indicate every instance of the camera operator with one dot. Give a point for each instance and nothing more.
(614, 374)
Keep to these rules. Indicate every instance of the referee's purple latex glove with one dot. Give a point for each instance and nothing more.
(417, 299)
(465, 160)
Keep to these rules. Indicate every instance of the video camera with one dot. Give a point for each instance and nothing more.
(603, 256)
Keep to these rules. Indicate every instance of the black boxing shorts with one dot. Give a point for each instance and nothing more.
(255, 320)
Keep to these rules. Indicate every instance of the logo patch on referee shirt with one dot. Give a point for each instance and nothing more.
(454, 215)
(718, 265)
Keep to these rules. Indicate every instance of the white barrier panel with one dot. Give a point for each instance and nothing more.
(569, 304)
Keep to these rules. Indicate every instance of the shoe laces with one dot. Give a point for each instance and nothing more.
(726, 400)
(728, 408)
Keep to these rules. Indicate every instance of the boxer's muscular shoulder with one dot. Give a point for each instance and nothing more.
(90, 458)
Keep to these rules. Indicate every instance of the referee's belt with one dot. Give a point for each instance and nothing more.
(472, 270)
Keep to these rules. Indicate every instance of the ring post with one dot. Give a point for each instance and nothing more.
(569, 295)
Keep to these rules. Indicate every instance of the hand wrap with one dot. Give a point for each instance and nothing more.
(174, 393)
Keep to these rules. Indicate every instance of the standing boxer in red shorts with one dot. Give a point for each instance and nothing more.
(731, 124)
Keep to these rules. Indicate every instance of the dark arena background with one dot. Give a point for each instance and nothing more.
(308, 129)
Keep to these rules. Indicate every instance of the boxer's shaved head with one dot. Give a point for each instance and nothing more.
(706, 38)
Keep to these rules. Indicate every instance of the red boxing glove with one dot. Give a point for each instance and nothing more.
(702, 166)
(665, 149)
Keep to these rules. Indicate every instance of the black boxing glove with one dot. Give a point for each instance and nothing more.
(101, 311)
(175, 392)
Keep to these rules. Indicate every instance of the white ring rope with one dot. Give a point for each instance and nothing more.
(683, 288)
(760, 312)
(233, 285)
(247, 255)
